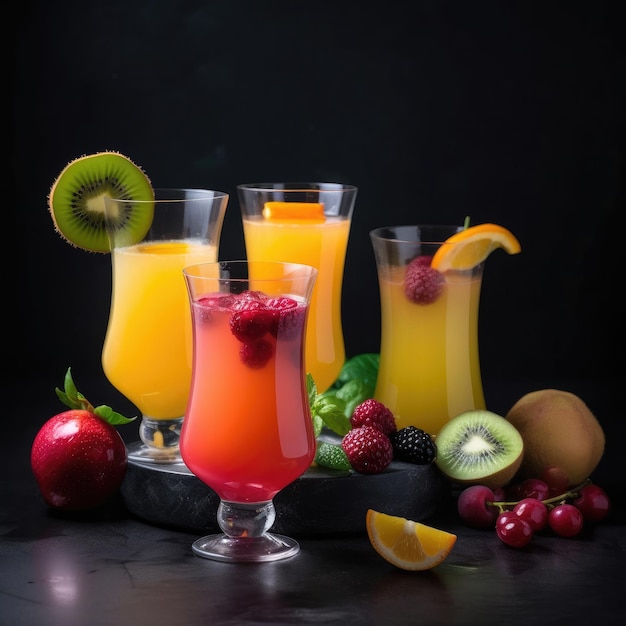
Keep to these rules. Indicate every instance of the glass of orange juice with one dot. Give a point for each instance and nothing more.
(147, 349)
(248, 431)
(306, 223)
(429, 367)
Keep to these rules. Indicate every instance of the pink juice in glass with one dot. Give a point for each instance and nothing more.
(248, 431)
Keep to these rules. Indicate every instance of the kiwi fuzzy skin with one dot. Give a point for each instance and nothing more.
(558, 428)
(484, 425)
(76, 198)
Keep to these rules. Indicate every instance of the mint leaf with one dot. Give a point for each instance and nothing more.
(311, 388)
(362, 367)
(334, 407)
(318, 424)
(353, 393)
(331, 410)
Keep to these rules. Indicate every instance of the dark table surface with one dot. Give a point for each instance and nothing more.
(113, 568)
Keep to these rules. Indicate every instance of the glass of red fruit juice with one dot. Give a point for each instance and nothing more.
(247, 431)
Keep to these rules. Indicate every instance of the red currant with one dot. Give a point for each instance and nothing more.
(533, 511)
(565, 520)
(473, 507)
(593, 502)
(533, 488)
(556, 479)
(499, 494)
(513, 530)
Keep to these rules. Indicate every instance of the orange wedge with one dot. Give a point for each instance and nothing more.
(472, 246)
(294, 211)
(407, 544)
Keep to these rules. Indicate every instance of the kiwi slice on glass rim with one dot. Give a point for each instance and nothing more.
(76, 199)
(479, 447)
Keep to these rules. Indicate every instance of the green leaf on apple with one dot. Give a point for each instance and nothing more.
(72, 398)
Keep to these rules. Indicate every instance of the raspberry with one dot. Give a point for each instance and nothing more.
(288, 317)
(205, 306)
(249, 300)
(281, 303)
(257, 353)
(373, 413)
(368, 449)
(422, 283)
(413, 445)
(250, 323)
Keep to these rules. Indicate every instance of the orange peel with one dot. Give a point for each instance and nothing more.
(294, 211)
(407, 544)
(470, 247)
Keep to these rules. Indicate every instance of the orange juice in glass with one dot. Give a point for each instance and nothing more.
(248, 431)
(306, 223)
(429, 367)
(147, 350)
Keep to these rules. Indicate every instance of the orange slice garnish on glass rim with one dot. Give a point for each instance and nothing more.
(294, 211)
(407, 544)
(469, 247)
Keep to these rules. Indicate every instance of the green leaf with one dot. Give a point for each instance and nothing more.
(110, 416)
(353, 393)
(311, 388)
(362, 367)
(332, 411)
(72, 398)
(334, 407)
(70, 387)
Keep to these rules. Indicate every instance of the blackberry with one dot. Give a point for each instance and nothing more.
(413, 445)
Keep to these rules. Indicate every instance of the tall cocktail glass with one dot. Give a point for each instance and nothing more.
(429, 366)
(248, 431)
(306, 223)
(147, 350)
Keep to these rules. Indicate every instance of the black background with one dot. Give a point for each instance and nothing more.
(509, 112)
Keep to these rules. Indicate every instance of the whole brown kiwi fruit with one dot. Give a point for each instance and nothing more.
(559, 429)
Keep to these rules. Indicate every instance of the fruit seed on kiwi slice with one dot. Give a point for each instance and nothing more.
(479, 447)
(76, 200)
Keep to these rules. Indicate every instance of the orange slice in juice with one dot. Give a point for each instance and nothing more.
(472, 246)
(294, 211)
(407, 544)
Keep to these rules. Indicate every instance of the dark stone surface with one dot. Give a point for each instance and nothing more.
(321, 502)
(110, 567)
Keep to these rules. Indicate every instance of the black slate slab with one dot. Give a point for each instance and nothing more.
(320, 502)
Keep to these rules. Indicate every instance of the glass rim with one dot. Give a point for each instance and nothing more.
(298, 186)
(393, 233)
(298, 270)
(164, 195)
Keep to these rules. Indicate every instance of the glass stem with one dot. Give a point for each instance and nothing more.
(160, 434)
(245, 520)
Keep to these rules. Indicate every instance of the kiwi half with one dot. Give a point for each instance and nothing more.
(76, 200)
(479, 447)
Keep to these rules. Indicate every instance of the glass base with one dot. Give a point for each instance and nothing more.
(159, 441)
(267, 547)
(141, 453)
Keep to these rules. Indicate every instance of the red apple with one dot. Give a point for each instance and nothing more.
(78, 457)
(79, 461)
